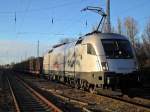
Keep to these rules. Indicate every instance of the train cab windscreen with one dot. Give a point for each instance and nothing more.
(117, 49)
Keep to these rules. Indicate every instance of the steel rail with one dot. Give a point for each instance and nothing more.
(51, 105)
(14, 98)
(126, 101)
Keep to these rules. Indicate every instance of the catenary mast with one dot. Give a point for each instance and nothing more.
(108, 24)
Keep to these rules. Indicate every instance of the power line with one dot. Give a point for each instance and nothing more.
(27, 8)
(32, 10)
(41, 9)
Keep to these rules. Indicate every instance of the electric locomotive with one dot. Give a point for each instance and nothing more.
(94, 60)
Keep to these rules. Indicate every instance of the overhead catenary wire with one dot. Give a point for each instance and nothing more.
(24, 16)
(49, 8)
(60, 5)
(42, 9)
(27, 10)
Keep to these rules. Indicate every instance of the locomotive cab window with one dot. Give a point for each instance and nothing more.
(90, 49)
(117, 48)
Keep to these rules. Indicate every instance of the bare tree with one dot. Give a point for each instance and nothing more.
(147, 31)
(66, 40)
(143, 53)
(131, 29)
(119, 26)
(94, 27)
(146, 46)
(113, 30)
(103, 28)
(146, 39)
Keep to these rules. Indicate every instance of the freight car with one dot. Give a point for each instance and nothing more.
(32, 65)
(94, 60)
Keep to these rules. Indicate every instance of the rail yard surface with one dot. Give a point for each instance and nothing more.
(17, 96)
(23, 92)
(91, 102)
(6, 99)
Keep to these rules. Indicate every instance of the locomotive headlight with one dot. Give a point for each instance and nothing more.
(104, 66)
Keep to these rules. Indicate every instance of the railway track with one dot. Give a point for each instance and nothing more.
(131, 101)
(127, 100)
(90, 100)
(6, 100)
(28, 100)
(73, 97)
(89, 106)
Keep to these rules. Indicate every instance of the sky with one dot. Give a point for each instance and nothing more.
(24, 22)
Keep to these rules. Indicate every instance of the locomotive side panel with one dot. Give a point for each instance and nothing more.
(57, 61)
(91, 61)
(70, 59)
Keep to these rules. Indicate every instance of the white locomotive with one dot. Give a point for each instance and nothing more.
(94, 60)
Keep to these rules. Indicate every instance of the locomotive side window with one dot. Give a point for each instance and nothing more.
(90, 49)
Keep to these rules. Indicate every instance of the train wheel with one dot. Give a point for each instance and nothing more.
(76, 85)
(85, 85)
(81, 84)
(92, 88)
(62, 79)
